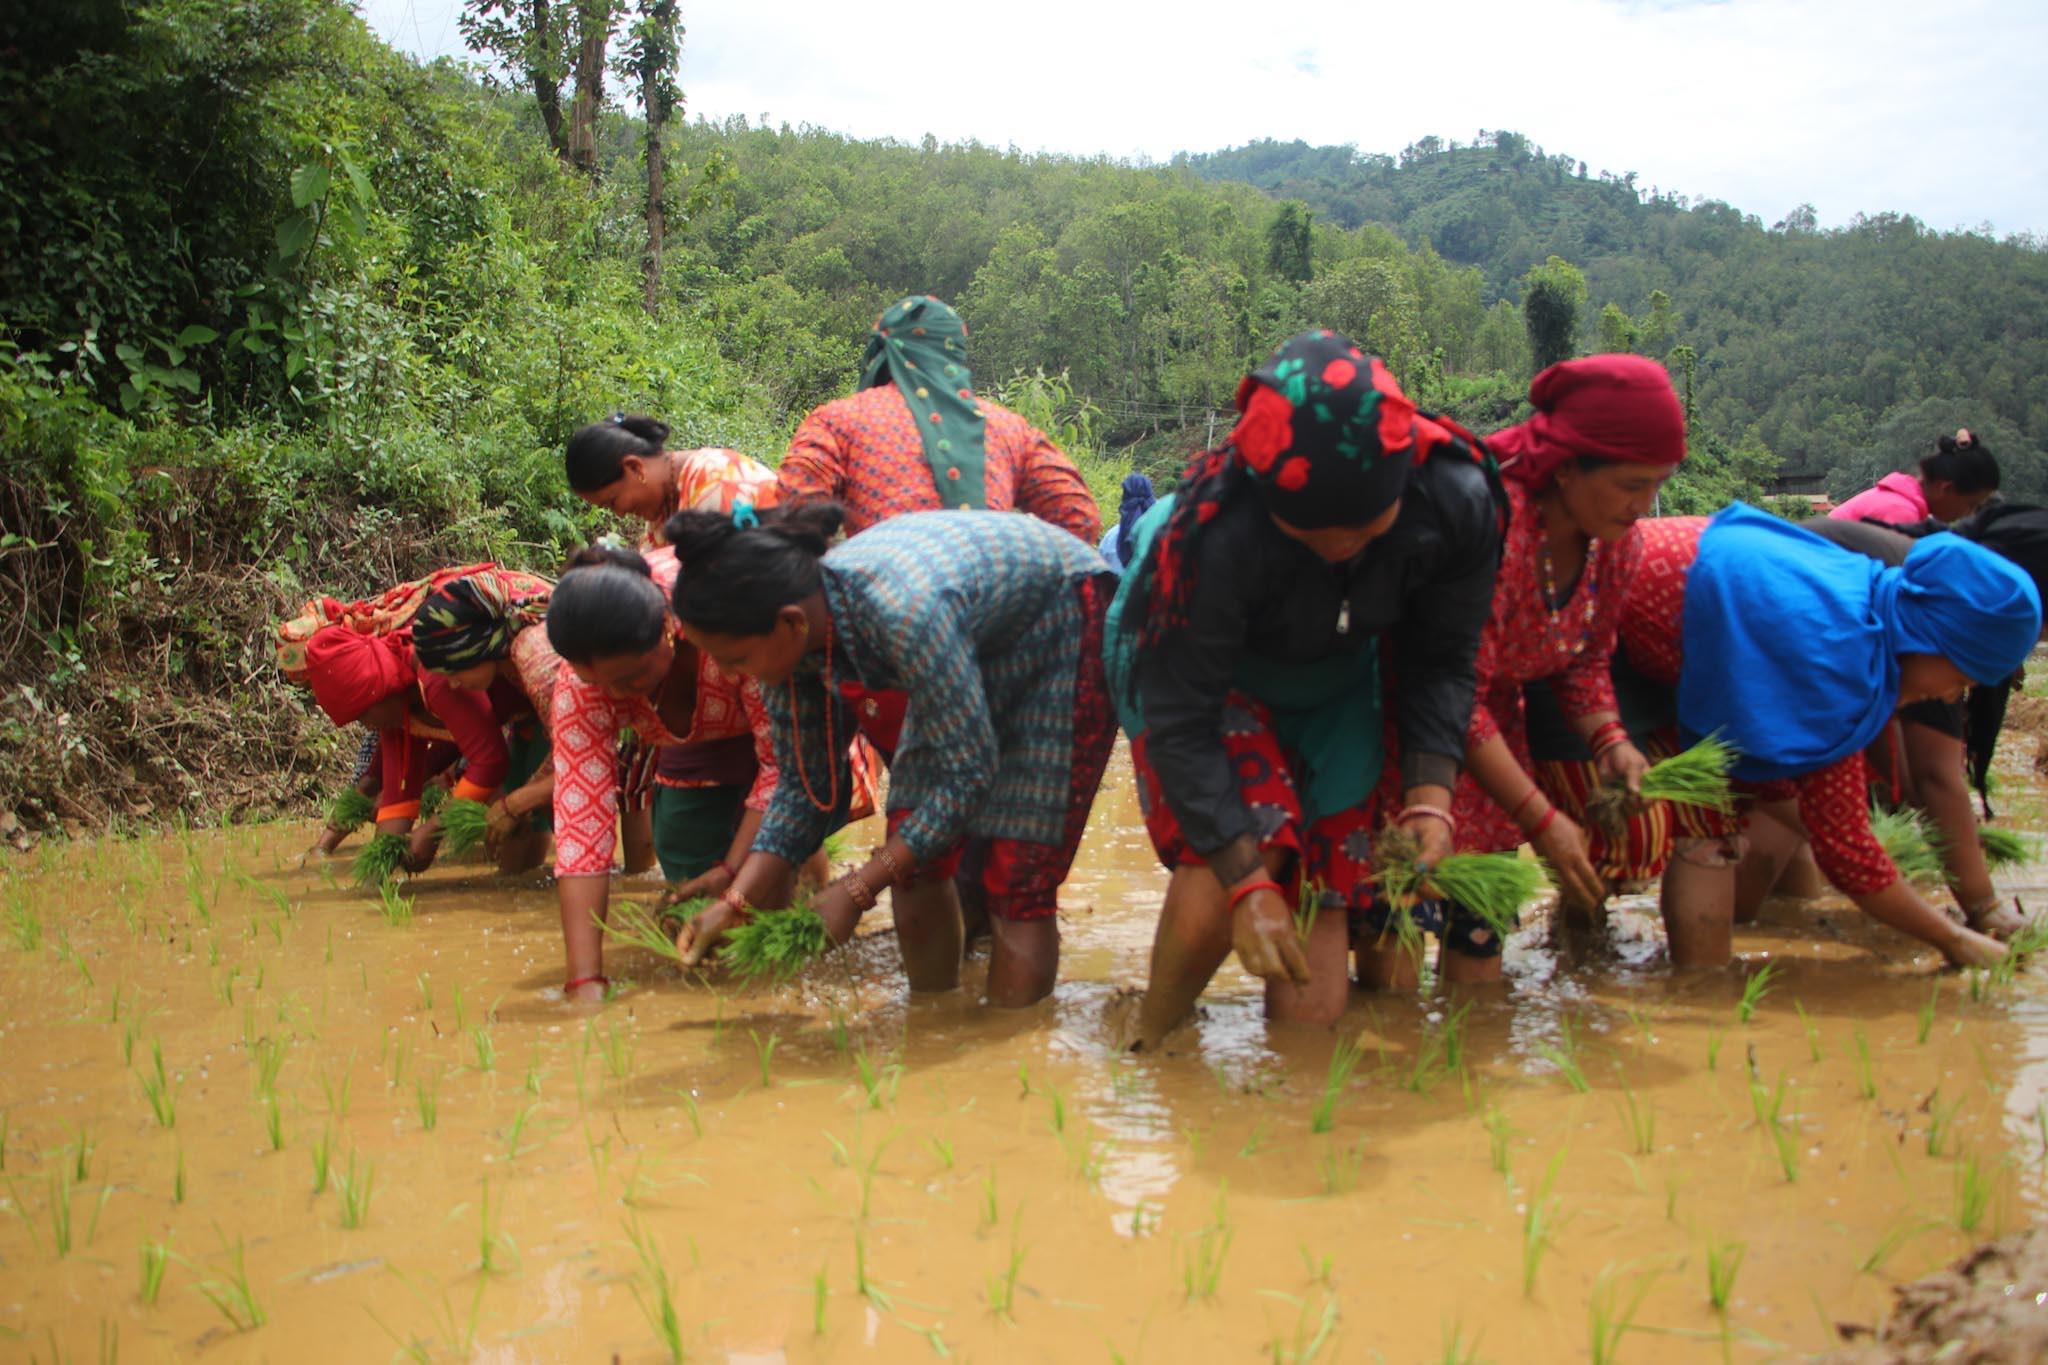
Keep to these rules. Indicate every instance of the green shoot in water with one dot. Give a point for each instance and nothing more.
(1002, 1287)
(427, 1095)
(1939, 1117)
(617, 1049)
(382, 858)
(1611, 1311)
(1564, 1055)
(233, 1296)
(658, 1301)
(463, 824)
(1203, 1251)
(1866, 1073)
(486, 1050)
(354, 1186)
(1697, 777)
(1909, 843)
(1724, 1259)
(1499, 1133)
(1755, 987)
(877, 1081)
(1973, 1194)
(496, 1251)
(1642, 1122)
(2005, 848)
(775, 943)
(156, 1259)
(1925, 1023)
(1344, 1060)
(393, 905)
(1812, 1032)
(268, 1056)
(350, 810)
(764, 1054)
(322, 1158)
(158, 1090)
(1539, 1225)
(273, 1122)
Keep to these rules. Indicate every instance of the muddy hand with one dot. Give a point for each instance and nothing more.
(1623, 765)
(1971, 949)
(500, 823)
(1263, 937)
(1563, 846)
(697, 937)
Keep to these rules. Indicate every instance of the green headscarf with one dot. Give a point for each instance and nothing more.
(921, 344)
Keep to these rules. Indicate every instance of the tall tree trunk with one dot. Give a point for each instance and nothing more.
(547, 83)
(660, 43)
(595, 27)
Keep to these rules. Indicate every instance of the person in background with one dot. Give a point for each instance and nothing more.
(623, 464)
(1958, 478)
(1335, 555)
(1121, 538)
(916, 437)
(1580, 473)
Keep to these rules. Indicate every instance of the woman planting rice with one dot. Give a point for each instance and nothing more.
(1246, 658)
(990, 629)
(1958, 478)
(1607, 433)
(1796, 653)
(918, 438)
(623, 464)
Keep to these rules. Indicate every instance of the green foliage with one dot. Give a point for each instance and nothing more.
(1553, 294)
(350, 809)
(381, 859)
(775, 943)
(463, 823)
(2006, 848)
(1908, 841)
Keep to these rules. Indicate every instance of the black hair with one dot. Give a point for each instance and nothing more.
(1963, 461)
(734, 579)
(605, 606)
(596, 454)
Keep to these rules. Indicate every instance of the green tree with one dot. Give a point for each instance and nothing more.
(1552, 295)
(1617, 330)
(1288, 242)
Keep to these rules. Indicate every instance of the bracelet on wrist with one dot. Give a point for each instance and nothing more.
(1433, 812)
(1261, 884)
(1544, 822)
(731, 899)
(1528, 796)
(888, 859)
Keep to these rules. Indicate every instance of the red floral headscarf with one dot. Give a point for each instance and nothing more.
(1613, 407)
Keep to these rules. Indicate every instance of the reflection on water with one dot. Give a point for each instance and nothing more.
(830, 1169)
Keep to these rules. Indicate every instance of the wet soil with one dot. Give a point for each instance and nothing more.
(831, 1170)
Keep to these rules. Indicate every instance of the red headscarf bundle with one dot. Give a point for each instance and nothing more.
(1612, 407)
(351, 672)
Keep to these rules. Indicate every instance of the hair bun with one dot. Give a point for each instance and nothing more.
(646, 428)
(597, 556)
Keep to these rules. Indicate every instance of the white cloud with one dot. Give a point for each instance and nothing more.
(1938, 111)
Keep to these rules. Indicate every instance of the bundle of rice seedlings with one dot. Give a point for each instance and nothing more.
(383, 858)
(350, 810)
(1907, 841)
(1493, 886)
(1697, 777)
(463, 824)
(777, 943)
(431, 797)
(635, 926)
(2006, 848)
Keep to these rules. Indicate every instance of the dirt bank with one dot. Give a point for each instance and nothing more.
(1986, 1309)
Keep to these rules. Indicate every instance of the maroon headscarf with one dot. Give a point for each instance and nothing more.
(351, 672)
(1613, 407)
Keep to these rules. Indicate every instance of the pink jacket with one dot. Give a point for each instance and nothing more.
(1897, 498)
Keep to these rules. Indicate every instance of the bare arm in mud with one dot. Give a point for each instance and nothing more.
(1560, 843)
(507, 811)
(1941, 789)
(764, 881)
(332, 838)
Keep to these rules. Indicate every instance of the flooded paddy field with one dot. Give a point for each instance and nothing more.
(253, 1113)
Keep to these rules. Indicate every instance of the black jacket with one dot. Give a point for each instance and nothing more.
(1426, 585)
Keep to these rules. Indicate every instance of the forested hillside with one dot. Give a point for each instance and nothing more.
(282, 310)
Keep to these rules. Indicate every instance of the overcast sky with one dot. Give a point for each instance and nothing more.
(1939, 110)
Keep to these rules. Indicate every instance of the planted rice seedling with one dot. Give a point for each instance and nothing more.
(158, 1089)
(273, 1123)
(1611, 1311)
(764, 1054)
(1697, 777)
(156, 1260)
(1642, 1122)
(393, 905)
(819, 1290)
(1754, 988)
(486, 1050)
(1456, 1350)
(1724, 1260)
(1539, 1225)
(1344, 1060)
(1866, 1073)
(1002, 1286)
(426, 1090)
(321, 1156)
(350, 810)
(1887, 1246)
(1564, 1055)
(1924, 1025)
(381, 859)
(1499, 1133)
(1939, 1117)
(1203, 1251)
(658, 1299)
(1715, 1037)
(337, 1095)
(354, 1186)
(1908, 841)
(775, 943)
(496, 1251)
(1973, 1194)
(1341, 1169)
(233, 1295)
(1812, 1032)
(24, 925)
(268, 1058)
(877, 1082)
(463, 825)
(616, 1048)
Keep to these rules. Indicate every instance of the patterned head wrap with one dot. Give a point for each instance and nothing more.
(383, 614)
(350, 672)
(920, 345)
(1326, 438)
(472, 619)
(1612, 407)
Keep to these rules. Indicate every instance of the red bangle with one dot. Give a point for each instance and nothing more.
(1262, 884)
(864, 896)
(1516, 814)
(1543, 824)
(1435, 812)
(568, 986)
(731, 899)
(1606, 737)
(730, 870)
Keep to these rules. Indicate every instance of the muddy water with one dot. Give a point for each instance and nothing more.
(1189, 1206)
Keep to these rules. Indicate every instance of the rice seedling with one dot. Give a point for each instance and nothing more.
(513, 1145)
(322, 1158)
(273, 1123)
(1973, 1194)
(862, 1285)
(393, 905)
(775, 943)
(7, 1124)
(819, 1290)
(1002, 1286)
(1203, 1251)
(1866, 1073)
(658, 1301)
(1611, 1311)
(1056, 1112)
(496, 1251)
(689, 1099)
(463, 825)
(2021, 948)
(1642, 1122)
(350, 810)
(1564, 1055)
(877, 1082)
(381, 859)
(1939, 1117)
(764, 1055)
(1715, 1037)
(268, 1058)
(426, 993)
(1697, 777)
(1493, 886)
(1913, 848)
(1427, 1066)
(1344, 1060)
(1499, 1133)
(1812, 1032)
(990, 1214)
(1313, 1328)
(942, 1151)
(24, 925)
(1755, 987)
(1341, 1169)
(1456, 1350)
(1924, 1025)
(1724, 1259)
(158, 1089)
(1256, 1140)
(1887, 1246)
(354, 1186)
(486, 1050)
(337, 1095)
(617, 1049)
(178, 1179)
(233, 1295)
(2005, 848)
(426, 1092)
(156, 1260)
(1539, 1224)
(59, 1210)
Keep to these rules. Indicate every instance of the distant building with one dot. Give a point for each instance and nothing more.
(1809, 488)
